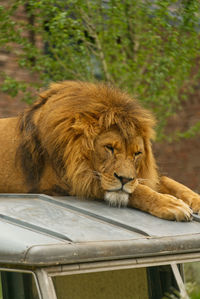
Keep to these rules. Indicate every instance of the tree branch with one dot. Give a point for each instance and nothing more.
(92, 31)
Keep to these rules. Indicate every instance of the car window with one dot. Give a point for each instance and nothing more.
(17, 285)
(0, 288)
(165, 281)
(118, 284)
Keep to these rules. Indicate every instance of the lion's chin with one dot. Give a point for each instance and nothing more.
(117, 198)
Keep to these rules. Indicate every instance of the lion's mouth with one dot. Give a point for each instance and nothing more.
(127, 188)
(119, 196)
(117, 190)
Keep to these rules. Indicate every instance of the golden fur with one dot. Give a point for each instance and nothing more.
(89, 140)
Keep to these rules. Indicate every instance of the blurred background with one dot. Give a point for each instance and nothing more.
(151, 49)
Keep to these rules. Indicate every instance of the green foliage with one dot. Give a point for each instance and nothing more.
(192, 291)
(149, 48)
(192, 279)
(191, 132)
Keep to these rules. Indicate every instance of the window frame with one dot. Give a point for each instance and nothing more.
(43, 275)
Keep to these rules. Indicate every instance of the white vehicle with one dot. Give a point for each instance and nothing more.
(64, 247)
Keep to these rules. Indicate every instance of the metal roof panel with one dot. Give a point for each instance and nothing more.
(44, 230)
(139, 221)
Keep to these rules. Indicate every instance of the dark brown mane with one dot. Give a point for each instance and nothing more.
(30, 153)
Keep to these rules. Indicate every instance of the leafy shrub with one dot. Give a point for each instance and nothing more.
(149, 48)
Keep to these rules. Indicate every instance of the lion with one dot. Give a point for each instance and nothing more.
(90, 140)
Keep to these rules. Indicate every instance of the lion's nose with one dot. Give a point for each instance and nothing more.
(124, 180)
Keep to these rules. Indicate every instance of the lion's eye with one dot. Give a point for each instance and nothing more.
(110, 148)
(138, 153)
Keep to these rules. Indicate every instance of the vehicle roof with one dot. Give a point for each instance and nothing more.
(43, 230)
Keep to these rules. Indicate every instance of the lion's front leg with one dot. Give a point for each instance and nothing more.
(161, 205)
(174, 188)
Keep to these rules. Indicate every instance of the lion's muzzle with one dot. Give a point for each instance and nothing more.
(120, 197)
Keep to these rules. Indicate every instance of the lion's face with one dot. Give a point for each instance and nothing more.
(116, 161)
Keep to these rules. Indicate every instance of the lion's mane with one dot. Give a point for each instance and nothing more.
(61, 127)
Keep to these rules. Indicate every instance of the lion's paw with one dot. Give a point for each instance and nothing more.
(195, 203)
(172, 208)
(192, 199)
